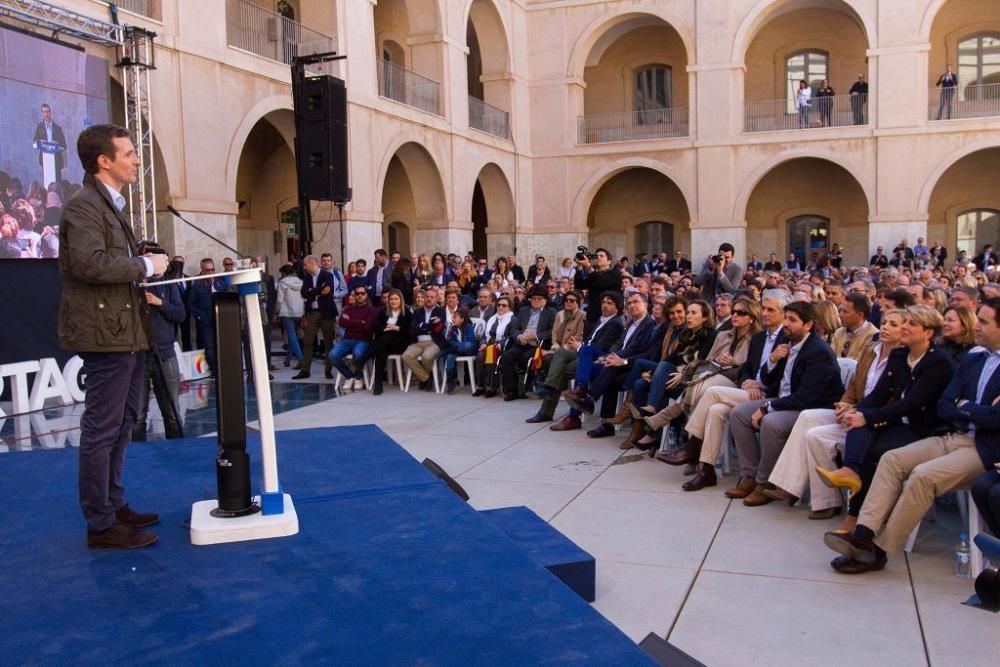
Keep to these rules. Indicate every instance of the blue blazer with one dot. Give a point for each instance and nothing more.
(751, 367)
(314, 291)
(199, 298)
(815, 380)
(638, 344)
(914, 394)
(606, 337)
(985, 416)
(433, 326)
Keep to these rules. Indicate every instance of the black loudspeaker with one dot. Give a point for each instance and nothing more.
(321, 139)
(666, 654)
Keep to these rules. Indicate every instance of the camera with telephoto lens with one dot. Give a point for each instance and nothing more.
(718, 258)
(583, 253)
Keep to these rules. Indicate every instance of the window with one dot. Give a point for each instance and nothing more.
(813, 66)
(976, 228)
(653, 94)
(654, 237)
(808, 237)
(979, 66)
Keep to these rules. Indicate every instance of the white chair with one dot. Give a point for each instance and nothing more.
(368, 373)
(395, 363)
(469, 364)
(974, 525)
(847, 369)
(434, 374)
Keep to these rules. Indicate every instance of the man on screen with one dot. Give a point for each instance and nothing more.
(47, 131)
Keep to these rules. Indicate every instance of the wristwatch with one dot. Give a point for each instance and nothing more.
(766, 407)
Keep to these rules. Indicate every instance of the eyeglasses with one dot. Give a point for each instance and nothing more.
(741, 313)
(502, 305)
(361, 294)
(569, 300)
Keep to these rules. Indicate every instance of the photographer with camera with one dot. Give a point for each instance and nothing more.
(720, 274)
(605, 277)
(101, 318)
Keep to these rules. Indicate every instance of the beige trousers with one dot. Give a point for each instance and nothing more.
(791, 472)
(708, 419)
(908, 480)
(823, 443)
(419, 357)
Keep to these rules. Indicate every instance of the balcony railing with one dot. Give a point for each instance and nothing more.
(487, 118)
(270, 35)
(148, 8)
(972, 101)
(833, 111)
(632, 125)
(409, 88)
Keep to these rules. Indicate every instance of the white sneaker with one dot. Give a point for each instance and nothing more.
(359, 385)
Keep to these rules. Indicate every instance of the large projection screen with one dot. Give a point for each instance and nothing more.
(50, 92)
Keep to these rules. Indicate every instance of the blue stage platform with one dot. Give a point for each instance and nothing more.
(389, 568)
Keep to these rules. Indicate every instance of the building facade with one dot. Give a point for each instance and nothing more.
(534, 126)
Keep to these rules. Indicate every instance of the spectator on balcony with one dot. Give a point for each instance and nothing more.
(803, 103)
(836, 256)
(824, 100)
(755, 263)
(948, 82)
(859, 99)
(987, 258)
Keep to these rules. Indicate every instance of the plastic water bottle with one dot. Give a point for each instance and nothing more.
(963, 558)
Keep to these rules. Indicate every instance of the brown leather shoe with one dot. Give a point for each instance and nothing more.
(704, 477)
(757, 497)
(623, 414)
(130, 517)
(683, 455)
(742, 488)
(633, 435)
(828, 513)
(781, 496)
(120, 536)
(567, 423)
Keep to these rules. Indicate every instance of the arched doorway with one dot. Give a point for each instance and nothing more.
(266, 191)
(492, 213)
(638, 209)
(962, 212)
(480, 220)
(805, 205)
(413, 202)
(397, 238)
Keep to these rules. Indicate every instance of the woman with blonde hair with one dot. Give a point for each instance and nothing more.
(827, 320)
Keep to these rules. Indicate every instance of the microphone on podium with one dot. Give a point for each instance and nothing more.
(217, 240)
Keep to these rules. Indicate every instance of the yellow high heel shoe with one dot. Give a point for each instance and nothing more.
(852, 484)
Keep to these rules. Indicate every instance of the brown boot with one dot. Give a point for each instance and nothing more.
(757, 497)
(633, 435)
(688, 453)
(742, 488)
(623, 414)
(704, 477)
(120, 536)
(665, 416)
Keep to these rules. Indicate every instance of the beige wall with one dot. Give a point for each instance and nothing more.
(970, 183)
(208, 97)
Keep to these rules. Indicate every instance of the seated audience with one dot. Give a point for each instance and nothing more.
(392, 334)
(460, 341)
(958, 332)
(427, 330)
(357, 319)
(490, 350)
(532, 329)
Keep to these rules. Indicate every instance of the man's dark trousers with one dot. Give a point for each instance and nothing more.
(114, 384)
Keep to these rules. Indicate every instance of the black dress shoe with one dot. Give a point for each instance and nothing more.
(848, 565)
(328, 373)
(301, 375)
(130, 517)
(490, 393)
(582, 403)
(479, 391)
(377, 389)
(538, 419)
(602, 431)
(849, 544)
(509, 396)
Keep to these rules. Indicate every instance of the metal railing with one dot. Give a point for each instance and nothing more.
(833, 111)
(150, 8)
(409, 88)
(488, 118)
(972, 101)
(264, 33)
(632, 125)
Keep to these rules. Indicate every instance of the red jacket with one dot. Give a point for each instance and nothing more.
(358, 322)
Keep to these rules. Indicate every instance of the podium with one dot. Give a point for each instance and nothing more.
(236, 516)
(49, 150)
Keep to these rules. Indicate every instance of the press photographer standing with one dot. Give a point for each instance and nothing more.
(719, 274)
(101, 319)
(606, 278)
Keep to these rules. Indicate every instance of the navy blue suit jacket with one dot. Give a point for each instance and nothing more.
(750, 368)
(607, 336)
(985, 415)
(815, 380)
(638, 344)
(423, 325)
(914, 394)
(199, 298)
(313, 290)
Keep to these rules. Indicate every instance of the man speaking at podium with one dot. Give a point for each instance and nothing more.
(50, 142)
(101, 319)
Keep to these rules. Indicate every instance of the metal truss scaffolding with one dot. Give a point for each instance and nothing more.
(136, 59)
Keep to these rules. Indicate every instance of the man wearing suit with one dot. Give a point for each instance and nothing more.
(612, 369)
(772, 264)
(721, 276)
(807, 376)
(597, 339)
(908, 479)
(47, 130)
(199, 300)
(319, 294)
(878, 260)
(427, 330)
(793, 263)
(755, 263)
(678, 263)
(986, 258)
(707, 422)
(856, 335)
(724, 313)
(378, 276)
(531, 328)
(642, 265)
